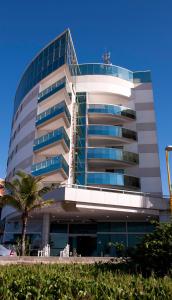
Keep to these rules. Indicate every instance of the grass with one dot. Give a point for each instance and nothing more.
(80, 282)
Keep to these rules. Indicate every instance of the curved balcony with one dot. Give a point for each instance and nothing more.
(108, 135)
(110, 114)
(53, 114)
(52, 143)
(113, 180)
(57, 165)
(102, 69)
(110, 70)
(110, 157)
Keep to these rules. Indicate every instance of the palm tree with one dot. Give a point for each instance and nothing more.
(25, 193)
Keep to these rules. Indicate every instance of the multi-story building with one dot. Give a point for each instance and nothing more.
(1, 194)
(92, 128)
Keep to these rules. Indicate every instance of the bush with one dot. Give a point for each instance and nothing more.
(79, 282)
(154, 253)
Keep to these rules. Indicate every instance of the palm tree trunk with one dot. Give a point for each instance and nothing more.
(23, 237)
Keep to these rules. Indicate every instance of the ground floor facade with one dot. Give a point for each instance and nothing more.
(90, 221)
(96, 238)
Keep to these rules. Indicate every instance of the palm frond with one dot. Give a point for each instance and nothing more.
(42, 204)
(21, 174)
(10, 200)
(47, 189)
(10, 187)
(26, 193)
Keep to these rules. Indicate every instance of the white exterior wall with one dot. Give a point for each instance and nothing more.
(149, 168)
(111, 90)
(100, 89)
(21, 147)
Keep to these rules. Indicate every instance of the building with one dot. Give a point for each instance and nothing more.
(1, 194)
(92, 128)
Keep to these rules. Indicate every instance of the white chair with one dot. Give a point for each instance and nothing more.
(65, 252)
(45, 252)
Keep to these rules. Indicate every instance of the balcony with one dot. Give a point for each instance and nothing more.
(56, 168)
(110, 157)
(110, 70)
(55, 93)
(54, 88)
(54, 113)
(113, 180)
(102, 69)
(52, 143)
(110, 114)
(108, 135)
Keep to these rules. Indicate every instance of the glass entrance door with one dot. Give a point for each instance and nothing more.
(84, 245)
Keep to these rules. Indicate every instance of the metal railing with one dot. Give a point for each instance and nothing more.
(112, 154)
(52, 112)
(51, 137)
(115, 110)
(120, 191)
(112, 131)
(50, 165)
(52, 89)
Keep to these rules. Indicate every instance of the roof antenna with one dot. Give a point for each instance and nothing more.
(106, 58)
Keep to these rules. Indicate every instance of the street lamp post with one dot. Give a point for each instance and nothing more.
(167, 150)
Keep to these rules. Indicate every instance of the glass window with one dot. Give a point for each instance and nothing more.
(140, 227)
(134, 239)
(104, 227)
(83, 228)
(118, 227)
(120, 238)
(103, 241)
(58, 228)
(47, 61)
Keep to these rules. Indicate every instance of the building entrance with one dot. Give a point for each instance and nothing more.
(83, 245)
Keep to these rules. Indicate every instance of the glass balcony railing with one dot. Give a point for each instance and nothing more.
(111, 70)
(52, 112)
(50, 165)
(113, 179)
(114, 110)
(112, 131)
(54, 88)
(51, 137)
(112, 154)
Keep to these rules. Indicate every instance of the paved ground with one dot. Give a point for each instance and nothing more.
(56, 260)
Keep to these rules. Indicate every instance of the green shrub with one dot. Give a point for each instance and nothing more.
(79, 282)
(154, 253)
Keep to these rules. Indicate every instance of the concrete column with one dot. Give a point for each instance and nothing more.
(45, 229)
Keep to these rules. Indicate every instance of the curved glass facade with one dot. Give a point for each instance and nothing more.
(111, 70)
(112, 154)
(115, 110)
(113, 179)
(57, 53)
(112, 131)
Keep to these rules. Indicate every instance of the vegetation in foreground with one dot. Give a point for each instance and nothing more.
(79, 282)
(25, 193)
(154, 253)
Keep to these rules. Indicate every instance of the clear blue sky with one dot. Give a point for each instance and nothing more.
(137, 33)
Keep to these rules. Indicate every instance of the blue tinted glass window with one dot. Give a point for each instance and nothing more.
(140, 227)
(50, 58)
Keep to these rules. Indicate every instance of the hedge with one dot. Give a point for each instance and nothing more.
(79, 282)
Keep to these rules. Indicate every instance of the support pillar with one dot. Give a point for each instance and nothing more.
(45, 229)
